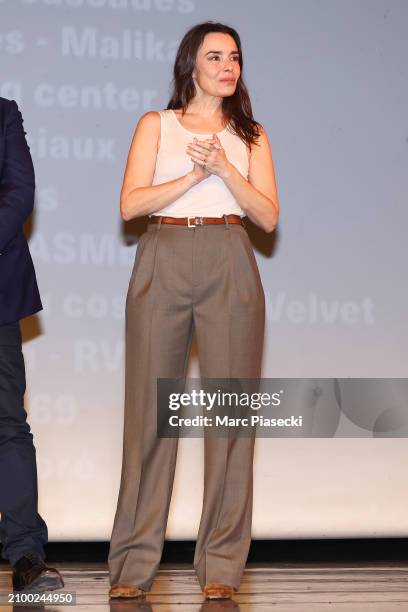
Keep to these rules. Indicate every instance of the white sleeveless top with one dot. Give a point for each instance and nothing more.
(210, 197)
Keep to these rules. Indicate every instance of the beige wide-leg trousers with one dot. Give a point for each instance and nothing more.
(203, 279)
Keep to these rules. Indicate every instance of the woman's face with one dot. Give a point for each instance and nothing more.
(217, 65)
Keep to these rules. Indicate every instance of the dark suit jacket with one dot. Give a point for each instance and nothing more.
(19, 296)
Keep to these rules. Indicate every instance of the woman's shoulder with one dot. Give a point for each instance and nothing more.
(150, 122)
(152, 119)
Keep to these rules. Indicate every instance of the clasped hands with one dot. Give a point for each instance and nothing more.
(210, 155)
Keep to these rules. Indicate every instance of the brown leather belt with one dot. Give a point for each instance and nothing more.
(193, 221)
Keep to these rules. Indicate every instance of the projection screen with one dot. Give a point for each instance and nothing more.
(328, 81)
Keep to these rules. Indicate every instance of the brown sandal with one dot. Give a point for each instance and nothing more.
(215, 590)
(126, 590)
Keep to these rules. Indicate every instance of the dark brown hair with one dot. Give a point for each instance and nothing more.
(237, 108)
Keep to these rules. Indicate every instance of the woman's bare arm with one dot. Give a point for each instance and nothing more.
(257, 196)
(138, 196)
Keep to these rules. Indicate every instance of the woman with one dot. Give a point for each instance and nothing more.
(196, 169)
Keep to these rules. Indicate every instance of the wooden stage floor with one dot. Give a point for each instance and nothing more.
(280, 587)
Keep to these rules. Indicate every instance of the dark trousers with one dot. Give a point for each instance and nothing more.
(21, 527)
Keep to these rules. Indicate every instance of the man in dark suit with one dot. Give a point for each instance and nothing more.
(23, 532)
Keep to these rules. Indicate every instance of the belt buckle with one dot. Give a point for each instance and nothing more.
(197, 221)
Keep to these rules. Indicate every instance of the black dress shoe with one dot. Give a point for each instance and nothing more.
(30, 573)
